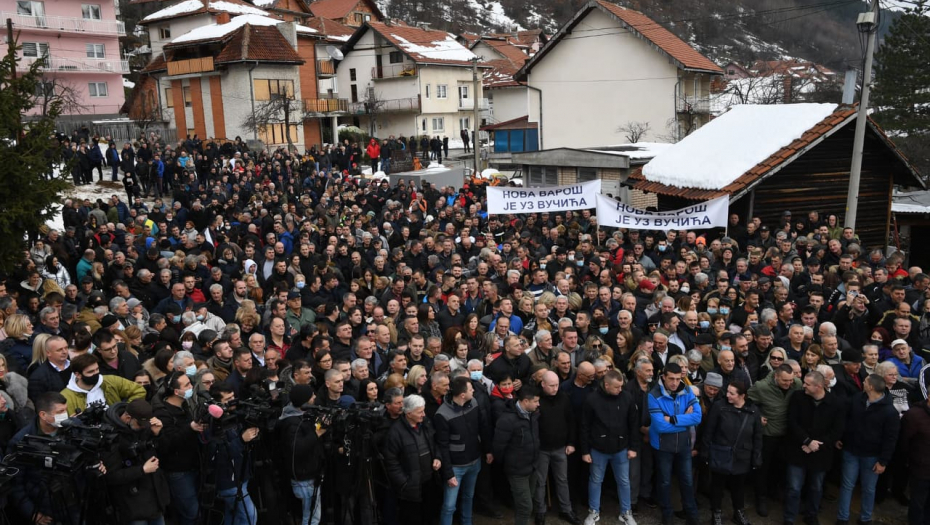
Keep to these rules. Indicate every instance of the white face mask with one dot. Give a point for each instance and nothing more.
(832, 382)
(59, 419)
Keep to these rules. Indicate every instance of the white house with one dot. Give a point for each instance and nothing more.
(421, 80)
(609, 67)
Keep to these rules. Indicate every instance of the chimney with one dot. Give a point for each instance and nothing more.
(289, 30)
(222, 18)
(423, 25)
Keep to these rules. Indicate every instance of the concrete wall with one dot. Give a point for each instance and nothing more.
(594, 84)
(178, 27)
(509, 103)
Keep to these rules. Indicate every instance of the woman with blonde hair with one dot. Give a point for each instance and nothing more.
(416, 378)
(18, 344)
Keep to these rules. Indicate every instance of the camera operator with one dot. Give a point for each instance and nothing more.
(177, 446)
(227, 454)
(87, 386)
(411, 458)
(302, 452)
(138, 488)
(242, 363)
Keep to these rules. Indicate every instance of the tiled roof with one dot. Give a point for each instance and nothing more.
(423, 46)
(840, 117)
(331, 29)
(261, 43)
(196, 7)
(158, 63)
(500, 75)
(517, 123)
(336, 9)
(506, 49)
(684, 56)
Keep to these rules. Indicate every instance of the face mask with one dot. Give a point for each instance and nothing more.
(506, 390)
(832, 382)
(685, 289)
(877, 342)
(662, 248)
(300, 285)
(476, 375)
(191, 370)
(725, 348)
(187, 345)
(571, 257)
(602, 330)
(724, 311)
(200, 318)
(580, 263)
(542, 266)
(91, 380)
(59, 419)
(704, 325)
(187, 394)
(712, 311)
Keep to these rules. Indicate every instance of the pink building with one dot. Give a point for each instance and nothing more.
(78, 42)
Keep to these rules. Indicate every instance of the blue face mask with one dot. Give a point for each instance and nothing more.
(704, 325)
(191, 370)
(580, 263)
(724, 311)
(189, 394)
(725, 348)
(300, 285)
(712, 311)
(662, 247)
(476, 375)
(200, 318)
(602, 330)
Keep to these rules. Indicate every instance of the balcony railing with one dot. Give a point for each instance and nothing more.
(688, 104)
(325, 68)
(326, 105)
(394, 71)
(66, 24)
(396, 105)
(192, 65)
(71, 65)
(469, 104)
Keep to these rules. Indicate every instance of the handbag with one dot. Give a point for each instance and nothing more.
(721, 456)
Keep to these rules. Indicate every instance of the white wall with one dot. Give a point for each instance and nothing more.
(237, 93)
(594, 84)
(510, 102)
(178, 26)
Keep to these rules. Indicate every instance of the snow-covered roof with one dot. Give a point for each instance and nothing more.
(192, 6)
(187, 6)
(447, 48)
(635, 150)
(730, 145)
(214, 31)
(236, 9)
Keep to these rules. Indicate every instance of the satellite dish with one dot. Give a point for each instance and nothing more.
(334, 53)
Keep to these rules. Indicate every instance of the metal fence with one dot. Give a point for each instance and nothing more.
(118, 131)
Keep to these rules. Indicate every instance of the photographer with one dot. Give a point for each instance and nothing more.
(177, 446)
(87, 386)
(138, 488)
(302, 452)
(227, 454)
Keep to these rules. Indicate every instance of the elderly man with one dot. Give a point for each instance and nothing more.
(542, 353)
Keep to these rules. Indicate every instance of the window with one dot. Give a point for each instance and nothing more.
(359, 18)
(45, 89)
(463, 92)
(396, 57)
(91, 12)
(275, 134)
(97, 89)
(266, 89)
(25, 7)
(731, 72)
(587, 174)
(464, 123)
(188, 101)
(543, 176)
(164, 33)
(441, 90)
(35, 49)
(439, 124)
(423, 126)
(352, 75)
(427, 91)
(96, 51)
(169, 98)
(354, 89)
(368, 18)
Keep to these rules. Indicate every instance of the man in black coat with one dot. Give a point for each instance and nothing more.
(410, 459)
(512, 362)
(557, 439)
(52, 375)
(302, 451)
(451, 315)
(850, 377)
(516, 442)
(816, 421)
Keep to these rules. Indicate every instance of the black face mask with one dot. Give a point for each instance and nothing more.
(91, 380)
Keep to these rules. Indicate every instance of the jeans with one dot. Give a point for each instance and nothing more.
(682, 462)
(557, 462)
(466, 475)
(795, 481)
(183, 487)
(386, 166)
(857, 467)
(303, 490)
(238, 512)
(641, 470)
(157, 521)
(620, 465)
(521, 488)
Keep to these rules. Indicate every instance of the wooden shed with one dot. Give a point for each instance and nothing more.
(809, 173)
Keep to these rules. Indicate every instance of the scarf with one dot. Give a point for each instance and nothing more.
(94, 395)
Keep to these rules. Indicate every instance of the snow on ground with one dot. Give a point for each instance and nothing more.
(447, 49)
(93, 192)
(730, 145)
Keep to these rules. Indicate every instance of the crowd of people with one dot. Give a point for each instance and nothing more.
(507, 360)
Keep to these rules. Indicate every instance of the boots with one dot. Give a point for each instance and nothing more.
(716, 517)
(739, 517)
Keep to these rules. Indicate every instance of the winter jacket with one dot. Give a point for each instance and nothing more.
(301, 448)
(915, 439)
(609, 423)
(177, 442)
(557, 427)
(463, 433)
(115, 389)
(722, 428)
(871, 431)
(17, 387)
(126, 365)
(772, 403)
(673, 435)
(808, 421)
(516, 440)
(909, 370)
(517, 369)
(18, 354)
(402, 458)
(46, 379)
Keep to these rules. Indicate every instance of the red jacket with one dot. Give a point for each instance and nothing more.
(373, 150)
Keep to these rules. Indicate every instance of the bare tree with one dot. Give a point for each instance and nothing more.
(52, 90)
(634, 131)
(279, 109)
(374, 106)
(147, 112)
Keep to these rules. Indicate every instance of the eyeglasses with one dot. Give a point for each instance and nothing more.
(598, 345)
(208, 381)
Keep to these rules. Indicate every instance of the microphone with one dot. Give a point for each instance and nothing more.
(216, 411)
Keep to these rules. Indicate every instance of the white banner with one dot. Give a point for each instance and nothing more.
(703, 215)
(574, 197)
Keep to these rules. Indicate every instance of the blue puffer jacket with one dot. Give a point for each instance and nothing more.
(673, 435)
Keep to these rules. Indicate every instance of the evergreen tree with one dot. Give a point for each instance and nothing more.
(902, 82)
(30, 192)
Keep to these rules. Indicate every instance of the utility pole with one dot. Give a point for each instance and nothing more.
(10, 42)
(476, 140)
(866, 22)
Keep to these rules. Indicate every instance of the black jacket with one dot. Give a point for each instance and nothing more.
(557, 424)
(301, 449)
(808, 421)
(872, 431)
(462, 434)
(609, 423)
(177, 443)
(722, 428)
(516, 440)
(126, 366)
(46, 379)
(518, 368)
(402, 458)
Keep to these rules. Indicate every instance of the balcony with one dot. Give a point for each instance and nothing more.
(325, 106)
(66, 24)
(325, 68)
(72, 65)
(690, 104)
(393, 71)
(468, 104)
(193, 65)
(396, 105)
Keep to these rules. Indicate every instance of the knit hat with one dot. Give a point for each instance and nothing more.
(714, 379)
(300, 395)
